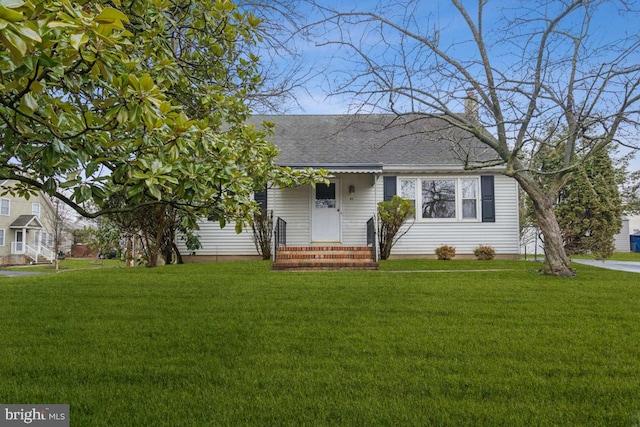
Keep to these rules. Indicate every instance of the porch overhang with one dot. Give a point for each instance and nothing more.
(26, 221)
(367, 168)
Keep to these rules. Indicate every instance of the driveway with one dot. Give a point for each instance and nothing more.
(630, 266)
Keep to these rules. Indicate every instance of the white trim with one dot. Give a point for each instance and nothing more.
(452, 168)
(3, 236)
(458, 196)
(33, 209)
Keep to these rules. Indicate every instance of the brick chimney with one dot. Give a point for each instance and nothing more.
(471, 106)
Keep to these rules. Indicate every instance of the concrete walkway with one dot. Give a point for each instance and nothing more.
(630, 266)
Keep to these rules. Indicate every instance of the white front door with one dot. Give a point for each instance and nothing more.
(325, 216)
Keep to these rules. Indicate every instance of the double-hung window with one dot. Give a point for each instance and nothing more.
(5, 206)
(469, 191)
(35, 209)
(442, 198)
(1, 236)
(408, 190)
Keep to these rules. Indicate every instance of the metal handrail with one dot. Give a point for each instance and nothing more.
(280, 236)
(371, 237)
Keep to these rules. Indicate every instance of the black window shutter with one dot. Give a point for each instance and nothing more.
(389, 187)
(488, 199)
(261, 198)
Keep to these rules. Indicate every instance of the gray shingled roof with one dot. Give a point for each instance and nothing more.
(26, 221)
(375, 139)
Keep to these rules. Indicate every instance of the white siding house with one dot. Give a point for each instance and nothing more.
(370, 158)
(622, 240)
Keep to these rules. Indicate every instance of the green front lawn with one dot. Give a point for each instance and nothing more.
(237, 344)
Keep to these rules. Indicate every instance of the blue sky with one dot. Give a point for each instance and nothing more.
(433, 13)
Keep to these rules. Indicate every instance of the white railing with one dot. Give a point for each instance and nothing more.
(31, 252)
(35, 254)
(47, 253)
(17, 247)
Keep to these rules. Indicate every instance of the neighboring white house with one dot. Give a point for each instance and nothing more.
(371, 158)
(622, 242)
(634, 224)
(26, 232)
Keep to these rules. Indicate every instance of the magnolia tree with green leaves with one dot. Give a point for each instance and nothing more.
(144, 100)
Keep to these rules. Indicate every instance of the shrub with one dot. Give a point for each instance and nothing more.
(484, 252)
(391, 217)
(446, 252)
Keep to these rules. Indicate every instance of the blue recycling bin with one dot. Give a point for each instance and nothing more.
(635, 242)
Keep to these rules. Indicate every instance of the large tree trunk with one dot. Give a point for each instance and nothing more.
(556, 261)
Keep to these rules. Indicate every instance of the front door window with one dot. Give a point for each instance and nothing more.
(326, 196)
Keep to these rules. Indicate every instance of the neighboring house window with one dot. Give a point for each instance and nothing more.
(5, 205)
(35, 209)
(443, 198)
(1, 236)
(43, 238)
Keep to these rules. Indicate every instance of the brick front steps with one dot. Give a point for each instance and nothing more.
(303, 258)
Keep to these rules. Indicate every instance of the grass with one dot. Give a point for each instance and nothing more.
(237, 344)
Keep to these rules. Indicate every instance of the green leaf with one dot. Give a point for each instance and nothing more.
(78, 39)
(30, 34)
(90, 168)
(146, 83)
(29, 102)
(50, 186)
(17, 47)
(61, 24)
(36, 87)
(155, 192)
(12, 4)
(85, 193)
(10, 15)
(110, 15)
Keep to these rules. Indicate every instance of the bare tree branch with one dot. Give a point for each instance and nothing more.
(543, 72)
